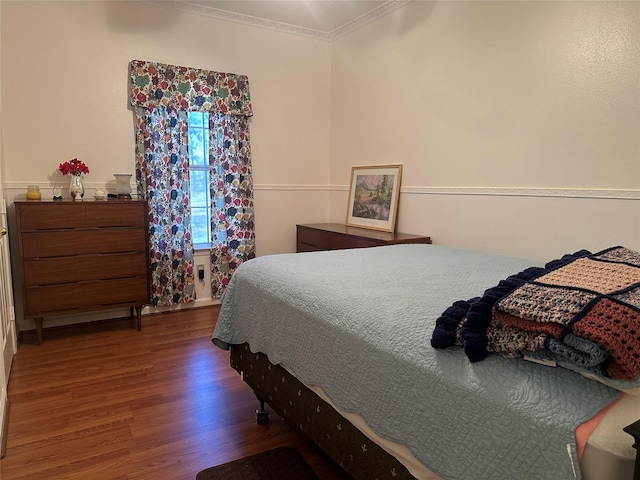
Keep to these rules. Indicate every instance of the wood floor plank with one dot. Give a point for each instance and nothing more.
(107, 402)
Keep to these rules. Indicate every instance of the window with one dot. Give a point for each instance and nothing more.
(199, 178)
(160, 126)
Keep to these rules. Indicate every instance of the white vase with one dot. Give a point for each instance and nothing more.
(123, 183)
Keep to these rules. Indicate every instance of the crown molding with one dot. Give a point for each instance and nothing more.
(368, 17)
(358, 22)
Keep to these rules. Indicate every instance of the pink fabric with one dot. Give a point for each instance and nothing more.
(584, 431)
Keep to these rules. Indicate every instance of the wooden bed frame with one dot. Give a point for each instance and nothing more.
(634, 431)
(343, 443)
(336, 437)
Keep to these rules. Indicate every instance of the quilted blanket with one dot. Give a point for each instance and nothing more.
(582, 310)
(358, 323)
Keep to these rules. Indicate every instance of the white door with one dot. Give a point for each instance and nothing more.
(8, 339)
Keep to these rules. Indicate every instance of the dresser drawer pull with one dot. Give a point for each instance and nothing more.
(130, 252)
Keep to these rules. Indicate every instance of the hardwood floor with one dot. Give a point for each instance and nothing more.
(106, 401)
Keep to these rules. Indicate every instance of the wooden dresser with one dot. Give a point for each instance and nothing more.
(334, 236)
(81, 256)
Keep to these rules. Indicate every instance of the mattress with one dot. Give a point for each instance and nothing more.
(608, 451)
(357, 323)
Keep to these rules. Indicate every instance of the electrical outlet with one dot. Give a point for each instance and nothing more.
(201, 273)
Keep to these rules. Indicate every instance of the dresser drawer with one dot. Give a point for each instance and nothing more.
(45, 216)
(45, 271)
(107, 214)
(48, 299)
(41, 216)
(333, 236)
(311, 240)
(79, 242)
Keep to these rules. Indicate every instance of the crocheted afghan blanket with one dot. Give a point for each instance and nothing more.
(582, 310)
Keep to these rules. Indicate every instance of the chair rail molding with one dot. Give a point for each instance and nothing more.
(15, 188)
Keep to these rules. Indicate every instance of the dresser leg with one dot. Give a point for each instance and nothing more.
(139, 317)
(38, 322)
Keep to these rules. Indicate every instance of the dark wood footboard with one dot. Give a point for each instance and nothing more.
(634, 431)
(348, 447)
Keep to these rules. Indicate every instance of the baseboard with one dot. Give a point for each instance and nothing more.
(27, 327)
(4, 409)
(199, 302)
(29, 336)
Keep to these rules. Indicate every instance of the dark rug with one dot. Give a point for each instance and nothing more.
(284, 463)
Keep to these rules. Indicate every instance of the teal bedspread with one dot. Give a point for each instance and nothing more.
(358, 323)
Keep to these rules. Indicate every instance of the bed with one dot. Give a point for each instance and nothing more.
(341, 344)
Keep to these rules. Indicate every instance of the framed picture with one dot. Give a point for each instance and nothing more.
(373, 197)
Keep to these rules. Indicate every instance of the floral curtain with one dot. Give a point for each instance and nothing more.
(162, 175)
(168, 92)
(232, 218)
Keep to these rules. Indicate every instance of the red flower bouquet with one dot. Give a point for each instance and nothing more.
(73, 167)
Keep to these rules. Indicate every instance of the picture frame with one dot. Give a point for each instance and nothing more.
(374, 191)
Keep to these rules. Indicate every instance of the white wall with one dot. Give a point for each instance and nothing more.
(510, 118)
(518, 123)
(66, 75)
(64, 90)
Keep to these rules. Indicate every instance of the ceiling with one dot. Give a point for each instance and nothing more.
(325, 19)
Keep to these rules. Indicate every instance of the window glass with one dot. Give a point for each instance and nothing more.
(197, 144)
(195, 119)
(200, 227)
(199, 178)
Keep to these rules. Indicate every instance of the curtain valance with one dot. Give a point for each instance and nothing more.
(185, 88)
